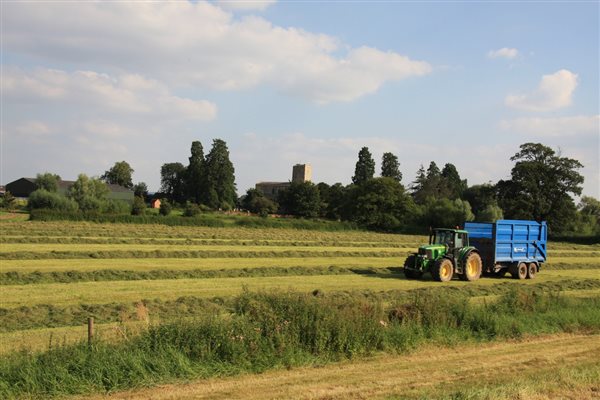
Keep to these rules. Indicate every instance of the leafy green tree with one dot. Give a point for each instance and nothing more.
(446, 213)
(119, 174)
(255, 202)
(365, 167)
(88, 193)
(337, 203)
(139, 206)
(191, 209)
(491, 213)
(380, 203)
(196, 174)
(453, 186)
(140, 189)
(165, 207)
(428, 185)
(47, 181)
(588, 216)
(390, 167)
(539, 188)
(220, 177)
(172, 181)
(301, 199)
(481, 197)
(8, 201)
(43, 199)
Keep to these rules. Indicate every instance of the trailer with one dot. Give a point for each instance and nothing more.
(514, 246)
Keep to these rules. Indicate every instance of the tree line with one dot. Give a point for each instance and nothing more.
(541, 187)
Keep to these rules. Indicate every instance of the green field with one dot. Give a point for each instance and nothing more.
(54, 275)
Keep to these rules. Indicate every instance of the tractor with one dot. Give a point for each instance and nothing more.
(447, 254)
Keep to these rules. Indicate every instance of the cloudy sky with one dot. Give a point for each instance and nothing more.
(86, 84)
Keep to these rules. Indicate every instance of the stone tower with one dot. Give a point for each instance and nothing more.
(301, 173)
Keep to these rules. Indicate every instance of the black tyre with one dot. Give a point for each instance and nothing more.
(518, 271)
(442, 270)
(411, 273)
(532, 269)
(472, 268)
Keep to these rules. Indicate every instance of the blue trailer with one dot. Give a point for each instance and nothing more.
(514, 246)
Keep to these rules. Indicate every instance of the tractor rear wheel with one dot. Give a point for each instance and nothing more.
(518, 271)
(411, 273)
(531, 270)
(472, 268)
(442, 270)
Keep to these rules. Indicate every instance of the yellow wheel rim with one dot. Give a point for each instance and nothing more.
(445, 272)
(472, 268)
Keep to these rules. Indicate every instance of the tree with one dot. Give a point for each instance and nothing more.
(42, 198)
(47, 181)
(139, 206)
(539, 188)
(89, 193)
(301, 199)
(491, 213)
(453, 186)
(140, 189)
(119, 174)
(196, 174)
(165, 207)
(255, 202)
(390, 167)
(446, 213)
(428, 185)
(337, 202)
(365, 167)
(8, 201)
(380, 203)
(172, 181)
(220, 177)
(588, 216)
(481, 197)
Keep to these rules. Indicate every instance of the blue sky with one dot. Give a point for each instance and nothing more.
(87, 84)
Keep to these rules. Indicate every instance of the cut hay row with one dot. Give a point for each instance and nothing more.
(62, 294)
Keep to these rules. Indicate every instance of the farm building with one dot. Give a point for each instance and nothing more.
(300, 173)
(155, 203)
(23, 187)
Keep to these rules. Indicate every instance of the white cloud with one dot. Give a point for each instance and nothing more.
(35, 128)
(125, 94)
(555, 91)
(244, 5)
(559, 126)
(199, 45)
(504, 52)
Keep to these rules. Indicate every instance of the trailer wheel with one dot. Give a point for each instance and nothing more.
(531, 270)
(518, 271)
(411, 273)
(472, 268)
(443, 270)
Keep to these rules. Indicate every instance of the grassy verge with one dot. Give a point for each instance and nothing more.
(272, 330)
(161, 309)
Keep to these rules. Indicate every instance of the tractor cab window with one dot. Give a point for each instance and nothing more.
(444, 237)
(460, 240)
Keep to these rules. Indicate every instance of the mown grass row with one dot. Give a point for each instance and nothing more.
(17, 278)
(124, 274)
(273, 330)
(34, 255)
(52, 315)
(195, 242)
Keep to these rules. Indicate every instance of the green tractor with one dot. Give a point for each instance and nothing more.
(448, 253)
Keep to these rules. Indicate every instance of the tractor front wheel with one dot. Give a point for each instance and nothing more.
(442, 270)
(472, 268)
(411, 273)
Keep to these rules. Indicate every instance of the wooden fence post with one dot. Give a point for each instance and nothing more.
(90, 330)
